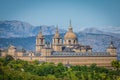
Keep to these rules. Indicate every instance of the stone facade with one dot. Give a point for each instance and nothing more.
(67, 50)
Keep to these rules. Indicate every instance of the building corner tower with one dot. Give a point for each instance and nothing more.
(40, 42)
(57, 41)
(112, 49)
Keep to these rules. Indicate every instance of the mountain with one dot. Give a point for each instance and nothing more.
(111, 29)
(91, 30)
(102, 30)
(46, 30)
(16, 28)
(27, 43)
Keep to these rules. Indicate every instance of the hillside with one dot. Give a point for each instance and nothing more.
(15, 29)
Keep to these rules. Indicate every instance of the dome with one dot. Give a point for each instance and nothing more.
(70, 34)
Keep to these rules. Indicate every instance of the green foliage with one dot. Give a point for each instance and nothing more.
(7, 59)
(11, 69)
(116, 64)
(35, 62)
(18, 64)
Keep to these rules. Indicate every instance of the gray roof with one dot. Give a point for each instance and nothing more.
(26, 53)
(37, 54)
(20, 49)
(66, 49)
(4, 50)
(80, 54)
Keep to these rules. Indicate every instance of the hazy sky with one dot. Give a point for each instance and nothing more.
(83, 13)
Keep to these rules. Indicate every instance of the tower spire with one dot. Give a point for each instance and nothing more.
(40, 30)
(70, 25)
(56, 28)
(111, 42)
(40, 35)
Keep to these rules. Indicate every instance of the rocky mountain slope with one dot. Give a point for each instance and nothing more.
(22, 29)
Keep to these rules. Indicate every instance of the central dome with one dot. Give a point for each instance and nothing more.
(70, 35)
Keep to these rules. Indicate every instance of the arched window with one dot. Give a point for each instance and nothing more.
(41, 41)
(69, 41)
(74, 41)
(54, 40)
(58, 41)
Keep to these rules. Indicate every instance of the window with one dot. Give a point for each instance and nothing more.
(69, 41)
(74, 41)
(54, 40)
(58, 40)
(41, 41)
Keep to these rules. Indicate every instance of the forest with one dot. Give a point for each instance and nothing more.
(11, 69)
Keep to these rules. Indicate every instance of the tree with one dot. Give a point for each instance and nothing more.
(7, 59)
(35, 62)
(76, 68)
(115, 64)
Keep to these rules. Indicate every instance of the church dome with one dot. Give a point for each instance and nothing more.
(70, 34)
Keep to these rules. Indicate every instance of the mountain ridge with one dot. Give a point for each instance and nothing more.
(23, 29)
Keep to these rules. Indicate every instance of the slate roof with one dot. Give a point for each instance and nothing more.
(80, 54)
(37, 54)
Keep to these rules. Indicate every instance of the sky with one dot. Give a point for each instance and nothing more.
(83, 13)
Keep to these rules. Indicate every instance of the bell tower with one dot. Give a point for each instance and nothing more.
(11, 50)
(40, 42)
(112, 49)
(57, 41)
